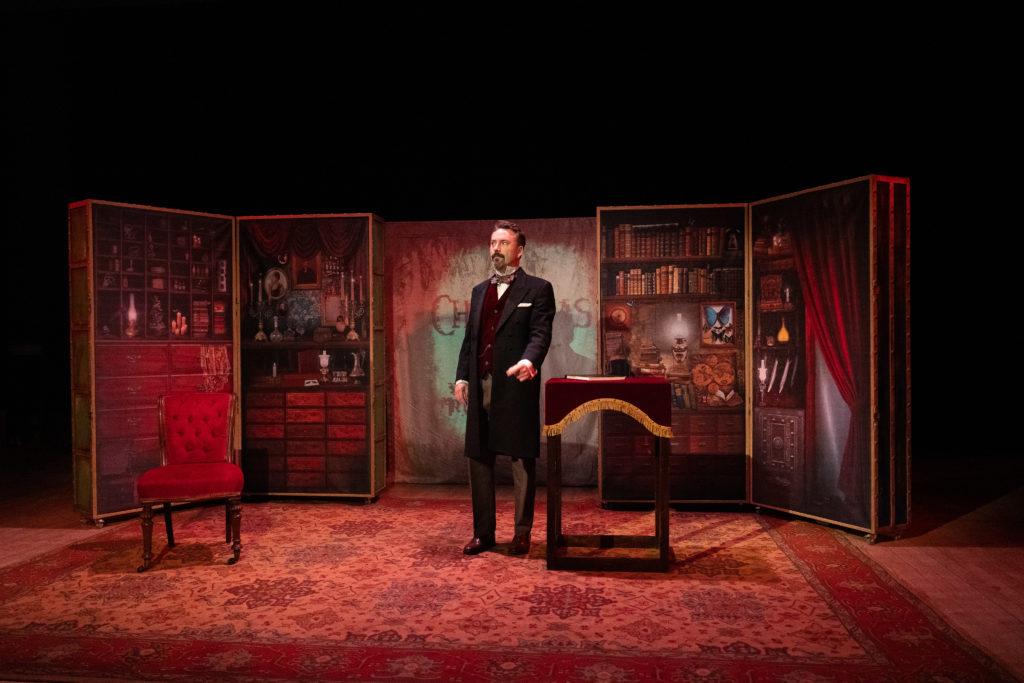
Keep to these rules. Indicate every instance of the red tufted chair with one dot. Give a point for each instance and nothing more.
(198, 464)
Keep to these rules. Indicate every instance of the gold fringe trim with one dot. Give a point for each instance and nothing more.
(608, 404)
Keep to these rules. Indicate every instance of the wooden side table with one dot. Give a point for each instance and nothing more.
(649, 402)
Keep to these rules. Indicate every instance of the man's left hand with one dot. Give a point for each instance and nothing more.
(522, 371)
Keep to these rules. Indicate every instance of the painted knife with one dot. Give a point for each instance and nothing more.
(775, 368)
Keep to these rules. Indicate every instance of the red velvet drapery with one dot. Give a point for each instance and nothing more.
(832, 264)
(304, 237)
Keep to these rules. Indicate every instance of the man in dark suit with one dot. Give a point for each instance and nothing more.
(507, 337)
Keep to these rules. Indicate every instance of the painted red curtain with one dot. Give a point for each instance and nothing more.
(339, 237)
(832, 264)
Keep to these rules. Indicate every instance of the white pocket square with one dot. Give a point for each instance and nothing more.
(525, 304)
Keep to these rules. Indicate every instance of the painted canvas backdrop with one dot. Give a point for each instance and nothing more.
(431, 269)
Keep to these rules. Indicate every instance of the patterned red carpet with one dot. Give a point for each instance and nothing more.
(330, 591)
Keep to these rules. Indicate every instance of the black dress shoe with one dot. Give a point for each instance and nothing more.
(478, 545)
(520, 545)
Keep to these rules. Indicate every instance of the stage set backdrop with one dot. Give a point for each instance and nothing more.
(431, 270)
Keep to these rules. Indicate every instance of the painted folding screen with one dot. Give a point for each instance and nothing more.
(431, 269)
(830, 348)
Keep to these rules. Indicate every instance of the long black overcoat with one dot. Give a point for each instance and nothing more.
(524, 331)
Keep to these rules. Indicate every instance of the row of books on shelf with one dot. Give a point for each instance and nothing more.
(670, 240)
(201, 318)
(679, 280)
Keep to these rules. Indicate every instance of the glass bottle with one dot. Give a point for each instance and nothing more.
(783, 335)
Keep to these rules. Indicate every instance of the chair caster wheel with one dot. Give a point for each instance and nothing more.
(232, 560)
(141, 569)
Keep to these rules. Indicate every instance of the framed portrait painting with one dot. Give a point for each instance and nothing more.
(306, 272)
(275, 284)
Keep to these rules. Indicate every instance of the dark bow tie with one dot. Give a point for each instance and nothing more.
(503, 279)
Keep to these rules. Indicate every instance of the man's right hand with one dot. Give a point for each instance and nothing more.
(462, 393)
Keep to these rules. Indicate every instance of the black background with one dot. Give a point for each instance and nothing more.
(417, 114)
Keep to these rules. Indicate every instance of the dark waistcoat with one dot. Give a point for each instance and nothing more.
(490, 315)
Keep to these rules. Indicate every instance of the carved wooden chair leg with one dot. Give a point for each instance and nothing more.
(147, 536)
(235, 504)
(168, 525)
(227, 521)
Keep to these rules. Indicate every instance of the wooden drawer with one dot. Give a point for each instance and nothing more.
(264, 415)
(341, 463)
(186, 359)
(221, 383)
(626, 466)
(346, 448)
(299, 399)
(346, 415)
(730, 424)
(703, 443)
(270, 446)
(129, 392)
(346, 398)
(615, 421)
(257, 431)
(349, 482)
(308, 415)
(307, 464)
(116, 493)
(261, 399)
(703, 424)
(731, 443)
(305, 431)
(126, 360)
(346, 431)
(629, 445)
(306, 480)
(113, 424)
(300, 447)
(125, 456)
(707, 423)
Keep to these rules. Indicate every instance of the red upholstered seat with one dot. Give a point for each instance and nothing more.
(195, 437)
(191, 481)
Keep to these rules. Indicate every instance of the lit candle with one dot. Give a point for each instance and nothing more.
(360, 288)
(352, 288)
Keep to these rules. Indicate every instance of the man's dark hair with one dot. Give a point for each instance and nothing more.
(513, 228)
